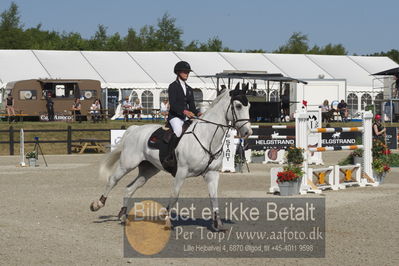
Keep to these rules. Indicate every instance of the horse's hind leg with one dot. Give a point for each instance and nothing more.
(146, 171)
(112, 181)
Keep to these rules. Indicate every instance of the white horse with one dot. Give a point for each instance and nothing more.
(197, 152)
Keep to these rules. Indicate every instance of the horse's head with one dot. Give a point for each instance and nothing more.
(239, 111)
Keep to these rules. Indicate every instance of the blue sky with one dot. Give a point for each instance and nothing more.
(361, 26)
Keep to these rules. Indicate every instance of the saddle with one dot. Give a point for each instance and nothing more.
(165, 140)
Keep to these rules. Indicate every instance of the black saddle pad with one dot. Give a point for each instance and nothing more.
(164, 140)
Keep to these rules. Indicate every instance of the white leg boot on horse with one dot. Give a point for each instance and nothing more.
(146, 171)
(112, 181)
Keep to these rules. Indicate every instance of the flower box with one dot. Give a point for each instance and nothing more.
(257, 159)
(289, 188)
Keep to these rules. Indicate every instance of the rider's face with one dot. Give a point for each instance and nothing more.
(184, 75)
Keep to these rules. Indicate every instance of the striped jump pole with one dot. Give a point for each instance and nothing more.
(336, 148)
(336, 129)
(272, 126)
(270, 137)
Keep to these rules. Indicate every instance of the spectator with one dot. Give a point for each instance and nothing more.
(95, 111)
(127, 108)
(378, 129)
(50, 107)
(285, 105)
(325, 111)
(395, 92)
(10, 106)
(164, 108)
(76, 107)
(343, 110)
(137, 107)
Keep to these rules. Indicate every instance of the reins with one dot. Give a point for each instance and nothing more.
(213, 156)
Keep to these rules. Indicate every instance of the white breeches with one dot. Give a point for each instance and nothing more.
(177, 126)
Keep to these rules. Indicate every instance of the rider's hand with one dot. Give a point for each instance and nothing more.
(199, 114)
(188, 113)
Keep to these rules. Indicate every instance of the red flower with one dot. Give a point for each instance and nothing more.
(386, 168)
(286, 176)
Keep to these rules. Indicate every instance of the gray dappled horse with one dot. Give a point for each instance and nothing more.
(198, 152)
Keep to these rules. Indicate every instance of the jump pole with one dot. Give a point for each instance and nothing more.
(22, 148)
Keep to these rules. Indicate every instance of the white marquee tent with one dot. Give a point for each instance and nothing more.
(153, 71)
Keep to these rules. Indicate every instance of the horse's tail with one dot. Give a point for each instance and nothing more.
(108, 165)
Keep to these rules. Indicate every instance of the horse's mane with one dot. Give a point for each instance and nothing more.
(216, 101)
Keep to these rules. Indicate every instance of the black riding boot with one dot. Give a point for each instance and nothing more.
(169, 163)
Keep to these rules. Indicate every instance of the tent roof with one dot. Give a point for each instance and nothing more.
(66, 65)
(251, 62)
(373, 64)
(154, 69)
(298, 66)
(19, 65)
(119, 70)
(159, 65)
(342, 67)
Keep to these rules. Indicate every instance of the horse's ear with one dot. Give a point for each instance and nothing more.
(237, 86)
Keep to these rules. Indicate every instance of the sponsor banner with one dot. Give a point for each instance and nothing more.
(267, 144)
(341, 139)
(392, 138)
(252, 228)
(57, 117)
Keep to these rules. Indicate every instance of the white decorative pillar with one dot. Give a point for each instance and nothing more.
(301, 139)
(367, 143)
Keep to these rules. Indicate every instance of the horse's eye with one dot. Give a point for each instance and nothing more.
(238, 106)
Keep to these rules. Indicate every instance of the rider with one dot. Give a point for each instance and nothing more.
(181, 102)
(181, 98)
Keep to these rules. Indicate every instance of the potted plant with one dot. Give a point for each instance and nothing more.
(257, 156)
(238, 162)
(357, 156)
(380, 169)
(32, 158)
(290, 178)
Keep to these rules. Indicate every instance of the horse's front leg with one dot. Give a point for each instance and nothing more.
(212, 178)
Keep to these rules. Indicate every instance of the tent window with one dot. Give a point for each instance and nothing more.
(198, 96)
(352, 103)
(163, 95)
(274, 96)
(147, 100)
(133, 96)
(260, 93)
(366, 100)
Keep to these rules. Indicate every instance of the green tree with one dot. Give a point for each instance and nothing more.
(11, 32)
(99, 40)
(131, 42)
(168, 35)
(10, 18)
(297, 44)
(114, 43)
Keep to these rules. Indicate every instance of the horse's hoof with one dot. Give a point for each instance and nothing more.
(122, 215)
(96, 205)
(168, 224)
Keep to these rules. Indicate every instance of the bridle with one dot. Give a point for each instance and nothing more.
(215, 155)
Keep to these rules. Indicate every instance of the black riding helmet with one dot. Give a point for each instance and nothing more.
(182, 66)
